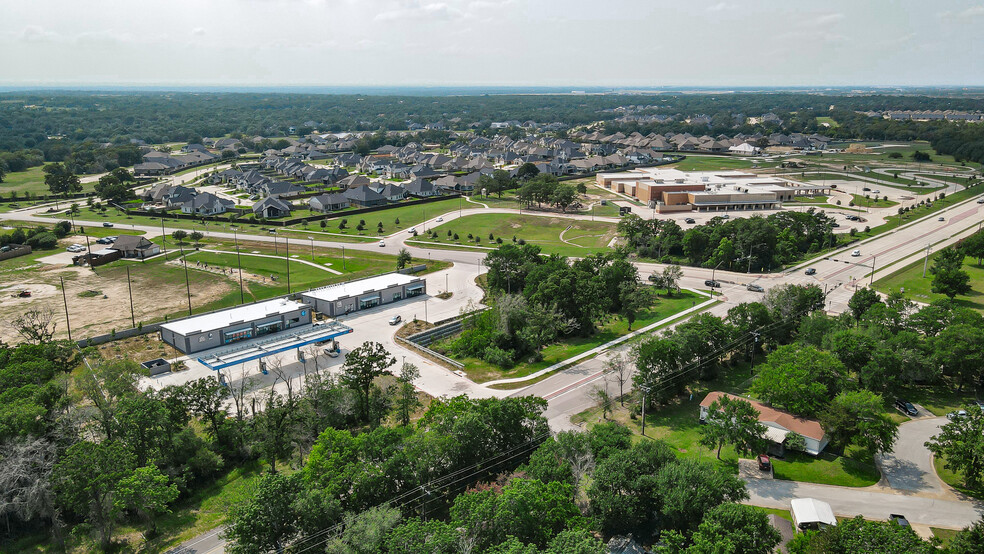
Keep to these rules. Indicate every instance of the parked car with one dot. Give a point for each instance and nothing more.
(835, 224)
(957, 415)
(104, 240)
(906, 407)
(899, 519)
(107, 224)
(690, 220)
(725, 216)
(856, 253)
(765, 464)
(811, 271)
(395, 320)
(755, 288)
(712, 283)
(382, 243)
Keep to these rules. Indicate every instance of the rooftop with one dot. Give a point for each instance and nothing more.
(806, 427)
(225, 318)
(355, 288)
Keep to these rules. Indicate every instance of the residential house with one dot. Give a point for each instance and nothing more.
(778, 424)
(206, 203)
(422, 188)
(393, 193)
(271, 207)
(353, 181)
(328, 202)
(364, 197)
(132, 246)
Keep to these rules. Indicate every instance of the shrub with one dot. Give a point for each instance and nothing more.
(397, 222)
(324, 224)
(497, 356)
(456, 236)
(491, 237)
(62, 228)
(42, 241)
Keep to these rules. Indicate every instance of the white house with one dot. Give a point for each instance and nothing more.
(745, 149)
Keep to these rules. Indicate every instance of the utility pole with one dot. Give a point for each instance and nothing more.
(239, 263)
(871, 281)
(163, 238)
(129, 289)
(187, 283)
(287, 257)
(312, 247)
(926, 261)
(65, 299)
(645, 391)
(343, 257)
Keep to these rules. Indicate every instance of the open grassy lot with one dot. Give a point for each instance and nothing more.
(872, 201)
(409, 216)
(918, 288)
(698, 162)
(563, 236)
(829, 121)
(677, 423)
(481, 371)
(31, 181)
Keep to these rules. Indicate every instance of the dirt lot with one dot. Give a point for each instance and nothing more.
(99, 302)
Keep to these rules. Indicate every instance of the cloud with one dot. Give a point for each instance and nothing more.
(36, 33)
(415, 9)
(198, 31)
(963, 15)
(719, 7)
(829, 18)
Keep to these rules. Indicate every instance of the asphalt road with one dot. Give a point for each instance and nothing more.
(209, 542)
(910, 466)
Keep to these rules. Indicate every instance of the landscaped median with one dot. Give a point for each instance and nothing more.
(563, 352)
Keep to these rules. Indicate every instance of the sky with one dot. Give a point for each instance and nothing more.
(608, 43)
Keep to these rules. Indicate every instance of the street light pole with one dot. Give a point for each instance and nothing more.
(239, 263)
(871, 281)
(312, 247)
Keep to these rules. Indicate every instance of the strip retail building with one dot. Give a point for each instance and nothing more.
(344, 298)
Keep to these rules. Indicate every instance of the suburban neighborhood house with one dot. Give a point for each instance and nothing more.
(778, 424)
(672, 190)
(132, 246)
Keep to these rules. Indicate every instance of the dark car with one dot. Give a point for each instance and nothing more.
(107, 224)
(899, 519)
(712, 283)
(690, 220)
(755, 288)
(866, 189)
(765, 464)
(811, 271)
(906, 407)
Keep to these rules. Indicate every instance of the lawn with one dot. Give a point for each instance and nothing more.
(829, 121)
(872, 202)
(481, 371)
(582, 237)
(918, 288)
(31, 181)
(677, 424)
(809, 200)
(945, 535)
(697, 162)
(900, 183)
(955, 479)
(409, 216)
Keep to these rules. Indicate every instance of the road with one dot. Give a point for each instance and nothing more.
(209, 542)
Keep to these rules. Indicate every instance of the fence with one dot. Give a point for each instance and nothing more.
(15, 250)
(429, 352)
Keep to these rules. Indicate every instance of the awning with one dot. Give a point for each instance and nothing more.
(776, 435)
(415, 286)
(368, 297)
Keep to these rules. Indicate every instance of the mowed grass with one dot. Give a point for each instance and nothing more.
(409, 216)
(919, 288)
(583, 237)
(873, 201)
(697, 162)
(481, 371)
(955, 479)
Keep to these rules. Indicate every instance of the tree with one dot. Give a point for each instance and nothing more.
(690, 488)
(857, 417)
(266, 521)
(36, 325)
(406, 393)
(671, 278)
(618, 367)
(860, 535)
(862, 299)
(623, 492)
(800, 379)
(527, 171)
(87, 479)
(61, 180)
(179, 235)
(196, 236)
(959, 351)
(657, 362)
(403, 258)
(603, 398)
(362, 365)
(921, 156)
(970, 540)
(948, 277)
(633, 298)
(582, 188)
(26, 492)
(111, 189)
(565, 196)
(961, 445)
(733, 421)
(734, 528)
(147, 492)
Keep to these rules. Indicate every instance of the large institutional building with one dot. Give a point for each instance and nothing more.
(672, 190)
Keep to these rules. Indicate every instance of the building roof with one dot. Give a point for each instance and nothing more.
(810, 510)
(225, 318)
(130, 242)
(362, 286)
(806, 427)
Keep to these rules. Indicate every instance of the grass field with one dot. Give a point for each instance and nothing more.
(697, 162)
(31, 181)
(582, 237)
(829, 121)
(677, 423)
(955, 479)
(872, 202)
(918, 288)
(481, 371)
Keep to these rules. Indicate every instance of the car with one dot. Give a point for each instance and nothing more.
(764, 463)
(899, 519)
(690, 220)
(866, 189)
(412, 230)
(395, 320)
(725, 216)
(712, 283)
(979, 404)
(852, 217)
(940, 218)
(755, 288)
(382, 243)
(604, 202)
(104, 240)
(980, 200)
(811, 271)
(954, 416)
(440, 218)
(835, 224)
(876, 191)
(906, 407)
(856, 253)
(107, 224)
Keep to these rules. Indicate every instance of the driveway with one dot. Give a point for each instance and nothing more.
(909, 468)
(850, 502)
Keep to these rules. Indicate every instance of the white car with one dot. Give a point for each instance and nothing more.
(382, 244)
(412, 230)
(440, 219)
(876, 191)
(856, 253)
